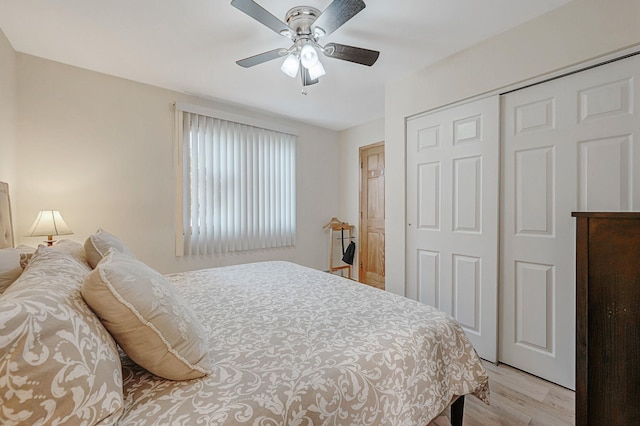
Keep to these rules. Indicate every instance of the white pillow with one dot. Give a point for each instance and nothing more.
(72, 248)
(12, 263)
(98, 244)
(146, 316)
(10, 268)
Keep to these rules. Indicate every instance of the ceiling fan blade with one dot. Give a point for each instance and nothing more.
(351, 54)
(306, 78)
(337, 13)
(260, 58)
(261, 15)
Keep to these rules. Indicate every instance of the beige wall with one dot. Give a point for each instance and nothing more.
(100, 149)
(351, 140)
(580, 31)
(7, 112)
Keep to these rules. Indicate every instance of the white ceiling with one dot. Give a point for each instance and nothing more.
(192, 45)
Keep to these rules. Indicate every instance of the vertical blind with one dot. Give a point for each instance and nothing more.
(238, 186)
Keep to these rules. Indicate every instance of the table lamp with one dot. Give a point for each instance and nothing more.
(49, 223)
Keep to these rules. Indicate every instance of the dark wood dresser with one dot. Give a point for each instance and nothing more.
(608, 318)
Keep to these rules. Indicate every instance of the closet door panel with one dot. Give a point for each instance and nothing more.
(467, 289)
(567, 144)
(537, 272)
(535, 287)
(534, 174)
(452, 216)
(428, 277)
(467, 183)
(429, 196)
(606, 163)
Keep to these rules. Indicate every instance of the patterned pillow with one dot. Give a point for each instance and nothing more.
(98, 244)
(58, 364)
(147, 317)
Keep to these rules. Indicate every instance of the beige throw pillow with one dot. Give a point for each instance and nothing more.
(147, 317)
(98, 244)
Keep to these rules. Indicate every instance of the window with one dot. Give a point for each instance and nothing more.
(237, 186)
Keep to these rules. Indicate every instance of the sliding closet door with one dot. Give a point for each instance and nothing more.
(570, 144)
(452, 216)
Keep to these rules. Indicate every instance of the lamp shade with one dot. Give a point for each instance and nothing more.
(49, 222)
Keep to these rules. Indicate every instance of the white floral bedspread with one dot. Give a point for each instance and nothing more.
(295, 346)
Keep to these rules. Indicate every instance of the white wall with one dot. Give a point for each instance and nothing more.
(579, 31)
(7, 112)
(350, 142)
(100, 149)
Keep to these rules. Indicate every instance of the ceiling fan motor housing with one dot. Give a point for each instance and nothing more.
(300, 19)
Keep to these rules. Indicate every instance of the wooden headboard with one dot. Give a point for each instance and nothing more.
(6, 224)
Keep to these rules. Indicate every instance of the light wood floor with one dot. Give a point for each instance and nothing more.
(517, 399)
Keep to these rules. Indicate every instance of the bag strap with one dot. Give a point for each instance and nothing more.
(342, 239)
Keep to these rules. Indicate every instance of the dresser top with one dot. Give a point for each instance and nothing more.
(625, 215)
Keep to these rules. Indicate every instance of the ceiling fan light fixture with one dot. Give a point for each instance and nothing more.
(308, 56)
(316, 71)
(319, 32)
(291, 65)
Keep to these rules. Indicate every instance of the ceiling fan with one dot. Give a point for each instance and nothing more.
(305, 26)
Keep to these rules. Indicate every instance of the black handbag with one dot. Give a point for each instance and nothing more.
(350, 252)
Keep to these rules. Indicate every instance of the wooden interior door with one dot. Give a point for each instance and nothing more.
(371, 241)
(569, 144)
(452, 216)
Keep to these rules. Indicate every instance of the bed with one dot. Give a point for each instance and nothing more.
(270, 343)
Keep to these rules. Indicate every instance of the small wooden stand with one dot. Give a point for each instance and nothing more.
(335, 225)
